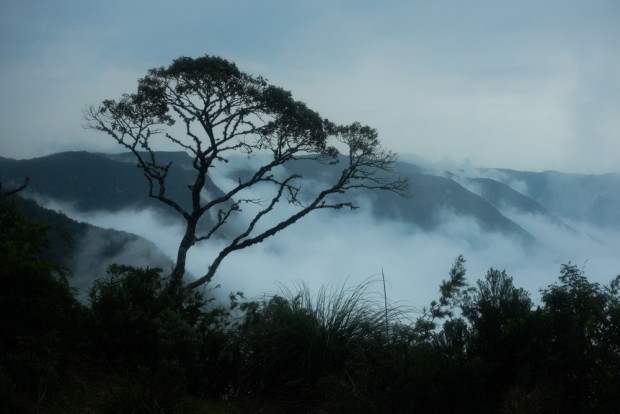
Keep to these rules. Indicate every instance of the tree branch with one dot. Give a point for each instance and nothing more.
(15, 190)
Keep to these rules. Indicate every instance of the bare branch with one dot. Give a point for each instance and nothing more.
(15, 190)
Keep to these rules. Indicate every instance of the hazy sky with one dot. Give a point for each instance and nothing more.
(524, 84)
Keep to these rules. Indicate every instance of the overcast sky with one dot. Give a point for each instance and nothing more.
(524, 84)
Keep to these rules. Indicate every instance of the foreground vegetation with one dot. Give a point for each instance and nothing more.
(140, 347)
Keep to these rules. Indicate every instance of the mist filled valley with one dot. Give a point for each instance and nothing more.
(526, 223)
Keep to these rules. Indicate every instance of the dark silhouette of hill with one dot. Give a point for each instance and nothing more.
(88, 250)
(433, 199)
(97, 181)
(113, 182)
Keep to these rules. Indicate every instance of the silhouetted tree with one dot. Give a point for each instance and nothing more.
(583, 325)
(222, 111)
(500, 317)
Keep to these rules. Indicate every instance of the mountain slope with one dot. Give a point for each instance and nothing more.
(87, 250)
(590, 198)
(93, 182)
(433, 197)
(112, 182)
(508, 200)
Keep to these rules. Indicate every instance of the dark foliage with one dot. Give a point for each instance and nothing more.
(140, 347)
(562, 356)
(582, 325)
(38, 313)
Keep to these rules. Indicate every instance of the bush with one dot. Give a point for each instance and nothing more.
(177, 341)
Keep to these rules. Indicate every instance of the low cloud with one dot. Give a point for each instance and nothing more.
(96, 250)
(331, 247)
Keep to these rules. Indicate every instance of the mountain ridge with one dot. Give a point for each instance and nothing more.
(113, 182)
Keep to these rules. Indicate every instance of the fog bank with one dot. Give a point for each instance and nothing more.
(330, 247)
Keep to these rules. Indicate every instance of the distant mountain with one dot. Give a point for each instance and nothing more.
(589, 198)
(93, 182)
(507, 200)
(432, 199)
(112, 182)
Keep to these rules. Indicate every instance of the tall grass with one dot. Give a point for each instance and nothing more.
(296, 342)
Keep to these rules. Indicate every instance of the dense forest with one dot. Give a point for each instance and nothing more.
(136, 346)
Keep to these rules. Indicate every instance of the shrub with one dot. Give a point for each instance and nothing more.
(294, 342)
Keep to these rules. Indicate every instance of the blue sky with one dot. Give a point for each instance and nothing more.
(519, 84)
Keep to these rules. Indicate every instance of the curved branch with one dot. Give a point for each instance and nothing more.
(15, 190)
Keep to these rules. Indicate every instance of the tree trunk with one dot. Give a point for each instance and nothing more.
(189, 238)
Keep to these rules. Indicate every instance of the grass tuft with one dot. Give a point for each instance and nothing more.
(296, 341)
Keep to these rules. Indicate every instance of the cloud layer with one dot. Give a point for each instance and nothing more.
(333, 247)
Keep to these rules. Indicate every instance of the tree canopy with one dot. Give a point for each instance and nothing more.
(210, 109)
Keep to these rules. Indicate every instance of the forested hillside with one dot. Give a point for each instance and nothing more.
(87, 250)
